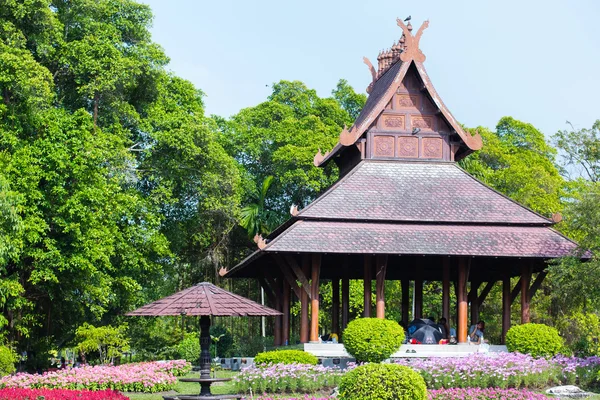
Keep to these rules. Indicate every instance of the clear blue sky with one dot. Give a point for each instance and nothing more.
(538, 61)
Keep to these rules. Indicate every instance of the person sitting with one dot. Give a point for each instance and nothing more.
(443, 325)
(476, 333)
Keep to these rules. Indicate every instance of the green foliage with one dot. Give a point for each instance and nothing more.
(372, 339)
(8, 359)
(581, 332)
(539, 340)
(189, 348)
(222, 341)
(285, 357)
(280, 137)
(381, 382)
(517, 161)
(108, 341)
(581, 149)
(255, 218)
(350, 101)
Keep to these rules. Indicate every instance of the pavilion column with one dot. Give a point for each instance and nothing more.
(314, 294)
(446, 288)
(405, 284)
(418, 298)
(474, 300)
(345, 298)
(277, 334)
(335, 309)
(381, 267)
(525, 281)
(368, 271)
(285, 319)
(462, 300)
(506, 301)
(304, 328)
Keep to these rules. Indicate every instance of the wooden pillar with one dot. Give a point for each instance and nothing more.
(506, 301)
(285, 318)
(525, 281)
(419, 298)
(462, 300)
(277, 334)
(304, 328)
(446, 289)
(314, 294)
(405, 300)
(368, 270)
(345, 297)
(380, 268)
(474, 300)
(335, 309)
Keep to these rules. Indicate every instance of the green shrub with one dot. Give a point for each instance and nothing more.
(382, 382)
(372, 339)
(539, 340)
(189, 348)
(285, 357)
(8, 359)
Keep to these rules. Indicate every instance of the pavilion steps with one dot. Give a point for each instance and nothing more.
(337, 350)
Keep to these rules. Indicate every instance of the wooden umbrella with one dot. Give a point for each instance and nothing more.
(204, 300)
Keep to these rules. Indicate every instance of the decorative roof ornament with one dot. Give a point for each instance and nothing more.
(318, 159)
(294, 210)
(411, 48)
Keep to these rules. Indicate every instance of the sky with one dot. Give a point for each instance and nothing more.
(537, 61)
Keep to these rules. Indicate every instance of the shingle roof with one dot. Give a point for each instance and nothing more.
(417, 192)
(204, 299)
(421, 239)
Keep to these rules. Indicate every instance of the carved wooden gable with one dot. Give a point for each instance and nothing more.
(410, 126)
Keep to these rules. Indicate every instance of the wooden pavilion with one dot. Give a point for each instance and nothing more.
(404, 210)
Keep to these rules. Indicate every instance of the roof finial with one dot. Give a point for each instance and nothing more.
(411, 49)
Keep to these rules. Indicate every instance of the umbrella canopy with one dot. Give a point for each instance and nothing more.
(204, 299)
(419, 322)
(427, 334)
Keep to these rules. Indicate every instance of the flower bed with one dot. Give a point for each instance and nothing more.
(503, 370)
(484, 394)
(58, 394)
(137, 377)
(290, 378)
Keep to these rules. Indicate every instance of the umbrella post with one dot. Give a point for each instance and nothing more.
(205, 354)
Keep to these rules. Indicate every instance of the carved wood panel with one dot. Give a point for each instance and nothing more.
(432, 148)
(424, 122)
(383, 146)
(393, 122)
(408, 146)
(408, 101)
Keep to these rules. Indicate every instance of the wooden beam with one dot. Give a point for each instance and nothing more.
(405, 289)
(506, 302)
(345, 295)
(537, 283)
(446, 289)
(515, 292)
(300, 275)
(285, 318)
(473, 299)
(314, 310)
(462, 300)
(484, 293)
(304, 299)
(335, 306)
(525, 279)
(277, 333)
(380, 268)
(368, 271)
(287, 274)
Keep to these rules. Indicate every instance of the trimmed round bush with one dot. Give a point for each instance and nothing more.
(382, 382)
(372, 339)
(189, 349)
(539, 340)
(285, 357)
(8, 359)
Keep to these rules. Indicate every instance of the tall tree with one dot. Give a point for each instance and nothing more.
(517, 161)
